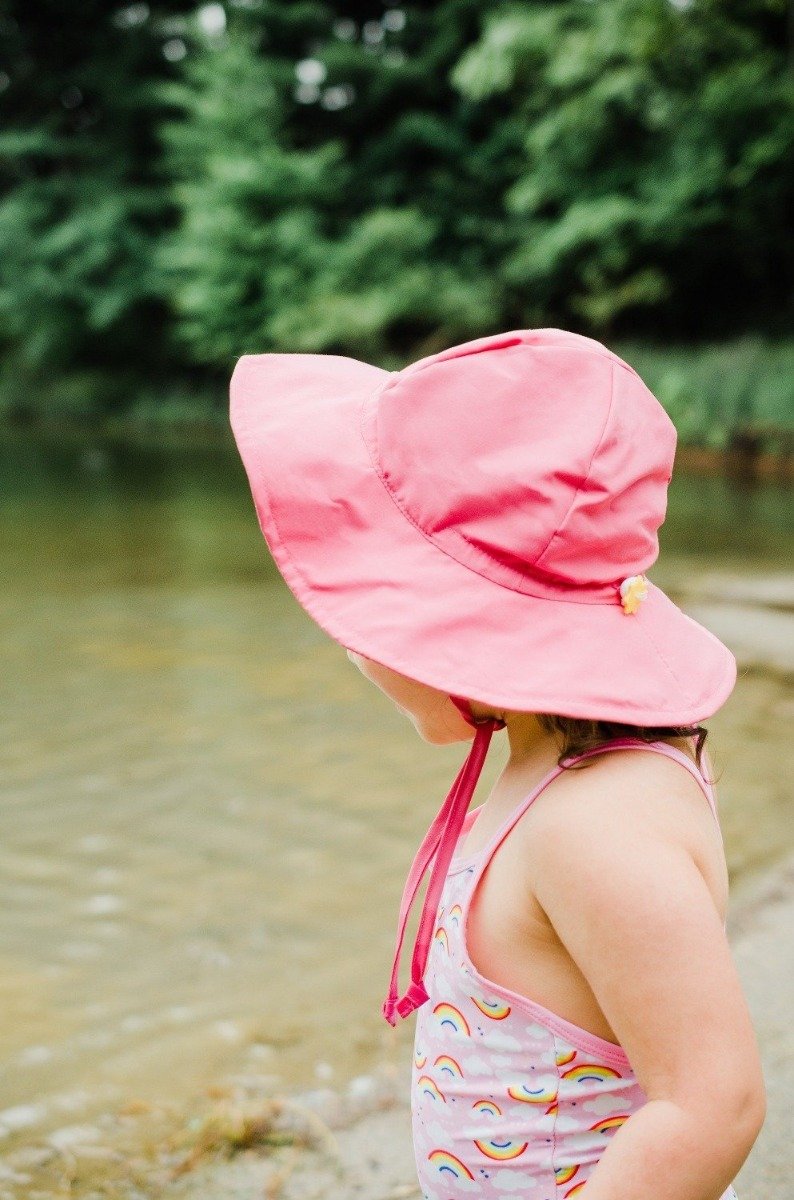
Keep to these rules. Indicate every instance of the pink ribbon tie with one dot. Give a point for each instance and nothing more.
(439, 843)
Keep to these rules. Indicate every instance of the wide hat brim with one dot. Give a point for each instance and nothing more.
(376, 584)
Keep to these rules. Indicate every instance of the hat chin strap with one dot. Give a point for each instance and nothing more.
(439, 841)
(464, 708)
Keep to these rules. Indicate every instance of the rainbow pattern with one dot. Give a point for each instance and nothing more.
(449, 1015)
(564, 1174)
(541, 1095)
(419, 1060)
(428, 1087)
(577, 1187)
(448, 1162)
(608, 1123)
(449, 1066)
(487, 1107)
(563, 1058)
(587, 1072)
(501, 1151)
(455, 914)
(440, 936)
(492, 1008)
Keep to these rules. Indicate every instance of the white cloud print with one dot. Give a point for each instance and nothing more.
(504, 1180)
(436, 1133)
(606, 1104)
(534, 1030)
(565, 1123)
(472, 1064)
(504, 1041)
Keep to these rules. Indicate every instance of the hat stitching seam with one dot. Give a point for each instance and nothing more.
(434, 360)
(604, 600)
(679, 683)
(607, 355)
(570, 508)
(314, 607)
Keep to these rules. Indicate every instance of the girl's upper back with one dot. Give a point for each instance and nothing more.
(509, 1097)
(618, 791)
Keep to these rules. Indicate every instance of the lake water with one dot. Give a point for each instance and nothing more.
(207, 813)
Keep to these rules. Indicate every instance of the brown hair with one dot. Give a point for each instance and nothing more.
(578, 734)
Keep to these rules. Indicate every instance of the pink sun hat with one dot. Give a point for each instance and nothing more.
(481, 520)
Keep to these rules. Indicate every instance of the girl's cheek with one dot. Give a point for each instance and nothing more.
(433, 714)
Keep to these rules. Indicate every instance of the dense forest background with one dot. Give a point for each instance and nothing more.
(182, 184)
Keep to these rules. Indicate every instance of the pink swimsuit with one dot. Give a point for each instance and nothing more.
(509, 1100)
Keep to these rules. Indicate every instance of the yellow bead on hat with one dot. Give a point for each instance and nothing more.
(633, 590)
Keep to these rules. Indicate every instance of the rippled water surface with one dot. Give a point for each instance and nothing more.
(207, 813)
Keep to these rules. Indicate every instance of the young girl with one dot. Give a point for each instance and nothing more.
(475, 529)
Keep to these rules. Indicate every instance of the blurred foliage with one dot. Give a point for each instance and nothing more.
(656, 138)
(182, 183)
(713, 391)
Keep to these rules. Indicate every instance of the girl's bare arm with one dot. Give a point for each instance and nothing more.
(619, 883)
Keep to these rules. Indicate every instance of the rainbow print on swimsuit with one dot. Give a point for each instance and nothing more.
(453, 1018)
(447, 1163)
(495, 1009)
(538, 1095)
(501, 1151)
(448, 1065)
(508, 1099)
(564, 1174)
(488, 1107)
(430, 1088)
(588, 1071)
(608, 1123)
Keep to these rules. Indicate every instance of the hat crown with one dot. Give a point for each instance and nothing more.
(537, 458)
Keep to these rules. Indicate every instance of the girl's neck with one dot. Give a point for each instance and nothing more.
(529, 742)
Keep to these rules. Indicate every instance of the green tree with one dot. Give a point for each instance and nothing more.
(81, 200)
(653, 173)
(182, 182)
(328, 188)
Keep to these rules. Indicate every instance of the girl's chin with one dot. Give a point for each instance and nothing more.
(439, 733)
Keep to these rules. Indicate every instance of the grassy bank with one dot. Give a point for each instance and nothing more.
(721, 396)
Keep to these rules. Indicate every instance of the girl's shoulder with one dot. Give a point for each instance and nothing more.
(629, 772)
(628, 801)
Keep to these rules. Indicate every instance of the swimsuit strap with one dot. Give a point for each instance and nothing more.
(440, 840)
(631, 743)
(442, 837)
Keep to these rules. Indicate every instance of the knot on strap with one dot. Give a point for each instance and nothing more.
(414, 998)
(437, 847)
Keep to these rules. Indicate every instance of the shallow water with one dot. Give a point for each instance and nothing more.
(207, 813)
